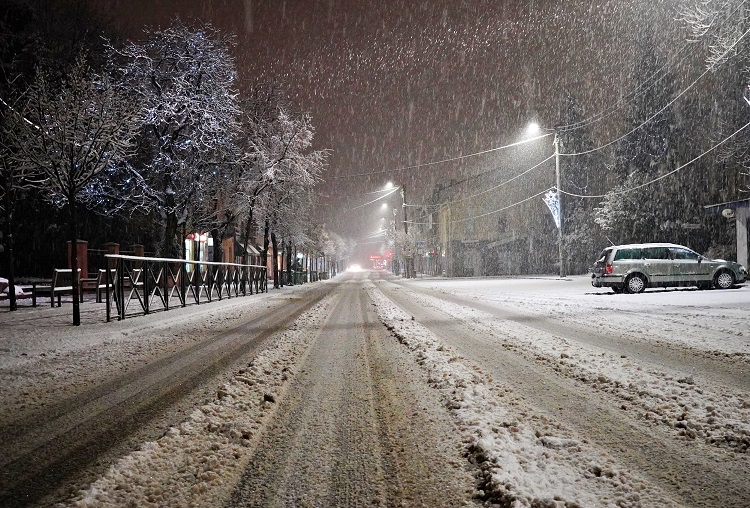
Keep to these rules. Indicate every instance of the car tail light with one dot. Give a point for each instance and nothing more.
(608, 268)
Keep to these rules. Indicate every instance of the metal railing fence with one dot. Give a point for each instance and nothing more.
(160, 283)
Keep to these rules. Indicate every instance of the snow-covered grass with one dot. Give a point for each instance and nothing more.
(525, 459)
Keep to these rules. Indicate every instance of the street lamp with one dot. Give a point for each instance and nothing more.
(554, 201)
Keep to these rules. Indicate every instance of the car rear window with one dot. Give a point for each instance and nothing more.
(603, 256)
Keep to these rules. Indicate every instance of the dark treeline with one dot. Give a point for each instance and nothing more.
(108, 140)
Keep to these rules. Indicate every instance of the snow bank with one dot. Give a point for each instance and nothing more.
(524, 459)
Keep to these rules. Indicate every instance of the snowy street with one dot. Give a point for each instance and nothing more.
(374, 390)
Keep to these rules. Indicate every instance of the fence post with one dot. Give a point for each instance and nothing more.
(183, 273)
(121, 288)
(197, 282)
(144, 268)
(107, 276)
(166, 272)
(209, 281)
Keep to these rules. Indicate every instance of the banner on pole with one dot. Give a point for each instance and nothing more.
(552, 198)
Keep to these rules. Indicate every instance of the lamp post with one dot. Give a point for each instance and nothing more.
(406, 258)
(556, 142)
(534, 129)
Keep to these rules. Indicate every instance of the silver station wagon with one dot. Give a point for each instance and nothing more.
(633, 268)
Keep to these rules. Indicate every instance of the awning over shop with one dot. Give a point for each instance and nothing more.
(239, 248)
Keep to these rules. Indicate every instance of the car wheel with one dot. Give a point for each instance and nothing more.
(635, 283)
(724, 279)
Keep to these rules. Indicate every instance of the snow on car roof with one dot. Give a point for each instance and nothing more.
(642, 245)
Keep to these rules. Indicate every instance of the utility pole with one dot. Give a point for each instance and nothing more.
(556, 142)
(449, 246)
(403, 205)
(408, 258)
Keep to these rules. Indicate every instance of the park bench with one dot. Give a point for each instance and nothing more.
(101, 282)
(23, 295)
(61, 284)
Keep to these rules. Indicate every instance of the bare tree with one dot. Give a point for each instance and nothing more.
(74, 136)
(283, 166)
(183, 79)
(722, 27)
(14, 180)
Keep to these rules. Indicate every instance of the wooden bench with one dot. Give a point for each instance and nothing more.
(101, 282)
(61, 284)
(23, 295)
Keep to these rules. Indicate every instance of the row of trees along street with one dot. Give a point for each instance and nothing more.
(146, 140)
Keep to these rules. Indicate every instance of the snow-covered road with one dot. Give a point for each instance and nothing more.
(610, 371)
(509, 392)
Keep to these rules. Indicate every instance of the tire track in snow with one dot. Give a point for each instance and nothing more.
(355, 429)
(45, 451)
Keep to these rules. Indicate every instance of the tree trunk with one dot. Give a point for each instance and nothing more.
(182, 243)
(246, 236)
(289, 267)
(9, 208)
(218, 237)
(309, 267)
(266, 229)
(169, 247)
(275, 246)
(74, 260)
(280, 249)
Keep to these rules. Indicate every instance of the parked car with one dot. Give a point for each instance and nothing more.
(633, 268)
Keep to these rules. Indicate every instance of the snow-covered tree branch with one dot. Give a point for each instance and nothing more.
(73, 137)
(183, 80)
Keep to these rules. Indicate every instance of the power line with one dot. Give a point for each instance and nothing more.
(625, 191)
(500, 209)
(375, 200)
(452, 159)
(709, 69)
(641, 88)
(460, 157)
(505, 182)
(488, 190)
(628, 99)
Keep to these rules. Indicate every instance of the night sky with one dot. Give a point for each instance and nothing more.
(392, 84)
